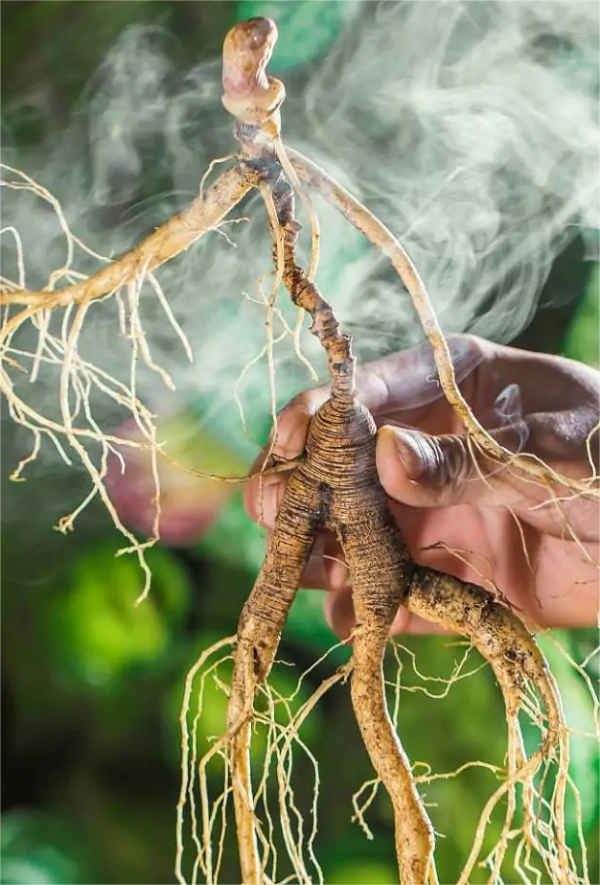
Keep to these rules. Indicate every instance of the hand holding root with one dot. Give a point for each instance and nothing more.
(458, 511)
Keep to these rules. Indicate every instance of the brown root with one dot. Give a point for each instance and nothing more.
(337, 483)
(335, 486)
(203, 214)
(57, 317)
(340, 454)
(261, 623)
(522, 672)
(376, 596)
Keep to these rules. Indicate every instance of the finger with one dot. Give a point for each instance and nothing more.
(339, 614)
(407, 622)
(262, 498)
(408, 380)
(423, 470)
(415, 468)
(402, 382)
(293, 421)
(326, 568)
(263, 494)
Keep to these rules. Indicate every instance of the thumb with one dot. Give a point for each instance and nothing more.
(422, 470)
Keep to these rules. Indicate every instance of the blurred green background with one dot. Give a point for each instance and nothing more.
(91, 686)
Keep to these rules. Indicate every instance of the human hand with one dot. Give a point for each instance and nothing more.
(464, 515)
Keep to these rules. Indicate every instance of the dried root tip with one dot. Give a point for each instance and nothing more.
(364, 524)
(414, 835)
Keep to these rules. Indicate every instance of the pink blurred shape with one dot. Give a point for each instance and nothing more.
(188, 504)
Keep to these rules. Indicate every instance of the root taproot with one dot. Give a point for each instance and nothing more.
(336, 487)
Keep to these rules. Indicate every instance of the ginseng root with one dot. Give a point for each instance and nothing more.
(336, 487)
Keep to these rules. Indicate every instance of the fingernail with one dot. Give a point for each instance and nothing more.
(409, 450)
(269, 501)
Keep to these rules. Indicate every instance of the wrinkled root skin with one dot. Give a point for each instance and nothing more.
(336, 487)
(498, 634)
(468, 609)
(259, 630)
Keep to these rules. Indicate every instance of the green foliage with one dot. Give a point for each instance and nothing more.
(96, 632)
(39, 850)
(362, 872)
(583, 339)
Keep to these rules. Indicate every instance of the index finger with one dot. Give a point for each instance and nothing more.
(405, 381)
(263, 494)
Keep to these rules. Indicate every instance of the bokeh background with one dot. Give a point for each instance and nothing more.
(91, 685)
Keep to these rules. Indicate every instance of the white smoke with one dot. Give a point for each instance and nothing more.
(471, 128)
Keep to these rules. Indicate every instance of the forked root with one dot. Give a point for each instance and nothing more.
(338, 483)
(521, 671)
(364, 525)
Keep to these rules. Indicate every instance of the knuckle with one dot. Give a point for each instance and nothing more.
(449, 464)
(289, 435)
(307, 402)
(473, 344)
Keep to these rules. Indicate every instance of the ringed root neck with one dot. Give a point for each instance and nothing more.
(336, 487)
